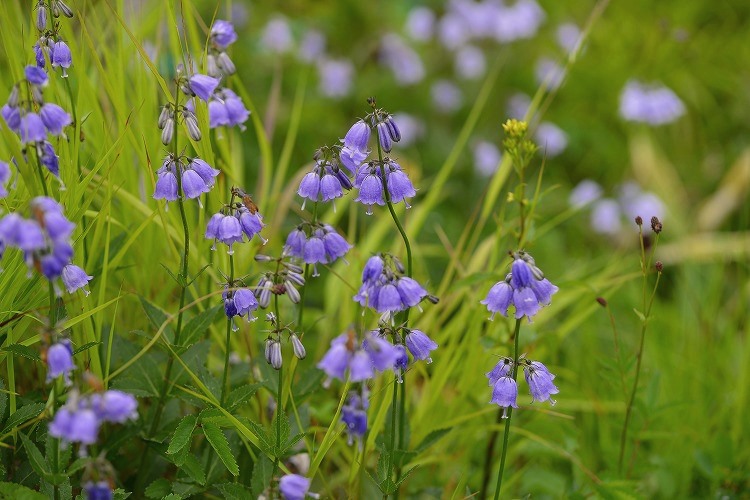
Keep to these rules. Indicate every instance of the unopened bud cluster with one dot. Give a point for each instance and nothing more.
(272, 351)
(169, 115)
(283, 281)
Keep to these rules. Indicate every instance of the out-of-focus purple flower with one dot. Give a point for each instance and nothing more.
(420, 345)
(312, 46)
(335, 77)
(551, 138)
(24, 234)
(354, 416)
(222, 34)
(79, 425)
(73, 277)
(114, 406)
(98, 491)
(294, 486)
(452, 31)
(505, 393)
(518, 105)
(634, 201)
(549, 72)
(540, 381)
(277, 36)
(36, 75)
(60, 361)
(587, 191)
(653, 104)
(374, 353)
(518, 21)
(12, 117)
(567, 36)
(54, 118)
(606, 217)
(48, 157)
(420, 23)
(225, 108)
(203, 86)
(446, 96)
(4, 177)
(403, 61)
(487, 158)
(32, 128)
(470, 62)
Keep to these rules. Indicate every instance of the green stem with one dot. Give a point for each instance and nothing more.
(394, 216)
(41, 173)
(279, 408)
(225, 381)
(509, 414)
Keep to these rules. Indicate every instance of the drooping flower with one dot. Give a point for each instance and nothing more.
(505, 393)
(36, 75)
(358, 136)
(54, 118)
(60, 56)
(197, 177)
(202, 86)
(114, 406)
(60, 361)
(75, 425)
(73, 277)
(4, 177)
(540, 382)
(98, 491)
(323, 245)
(222, 34)
(420, 345)
(295, 487)
(354, 416)
(32, 128)
(240, 302)
(385, 289)
(360, 359)
(503, 368)
(226, 108)
(499, 298)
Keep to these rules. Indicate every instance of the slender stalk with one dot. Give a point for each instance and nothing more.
(509, 414)
(279, 408)
(41, 173)
(225, 381)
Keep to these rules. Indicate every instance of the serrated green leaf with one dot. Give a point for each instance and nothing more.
(241, 395)
(431, 438)
(279, 425)
(196, 328)
(120, 494)
(85, 347)
(402, 457)
(22, 350)
(193, 468)
(18, 492)
(291, 442)
(36, 459)
(172, 496)
(264, 439)
(404, 475)
(233, 491)
(158, 489)
(219, 443)
(157, 317)
(262, 473)
(21, 415)
(212, 415)
(182, 434)
(79, 464)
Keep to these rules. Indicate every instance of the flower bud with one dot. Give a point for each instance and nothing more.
(384, 137)
(293, 268)
(225, 64)
(166, 113)
(264, 299)
(659, 266)
(299, 349)
(296, 278)
(211, 67)
(639, 220)
(63, 7)
(168, 132)
(292, 292)
(41, 16)
(393, 130)
(191, 124)
(602, 301)
(275, 359)
(537, 273)
(399, 265)
(13, 97)
(36, 95)
(263, 258)
(656, 225)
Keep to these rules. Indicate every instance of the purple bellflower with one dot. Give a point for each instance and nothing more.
(385, 289)
(354, 416)
(98, 491)
(361, 360)
(54, 118)
(295, 487)
(505, 393)
(4, 178)
(60, 361)
(420, 345)
(75, 425)
(202, 86)
(222, 34)
(540, 382)
(114, 406)
(60, 56)
(73, 277)
(36, 76)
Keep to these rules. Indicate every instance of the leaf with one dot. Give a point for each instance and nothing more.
(197, 326)
(241, 395)
(431, 439)
(280, 424)
(86, 347)
(21, 415)
(79, 464)
(291, 442)
(18, 492)
(262, 472)
(22, 350)
(233, 491)
(193, 468)
(265, 442)
(157, 317)
(219, 443)
(120, 494)
(158, 489)
(212, 416)
(405, 475)
(36, 459)
(182, 434)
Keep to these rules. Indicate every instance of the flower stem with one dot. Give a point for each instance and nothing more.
(506, 433)
(225, 381)
(279, 408)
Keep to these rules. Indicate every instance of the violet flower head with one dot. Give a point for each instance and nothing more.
(222, 34)
(383, 354)
(55, 118)
(540, 381)
(499, 298)
(504, 368)
(74, 278)
(358, 136)
(225, 108)
(60, 361)
(60, 56)
(505, 393)
(98, 491)
(115, 406)
(420, 345)
(202, 86)
(48, 157)
(79, 425)
(36, 76)
(294, 487)
(653, 104)
(4, 178)
(399, 185)
(354, 416)
(32, 128)
(12, 117)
